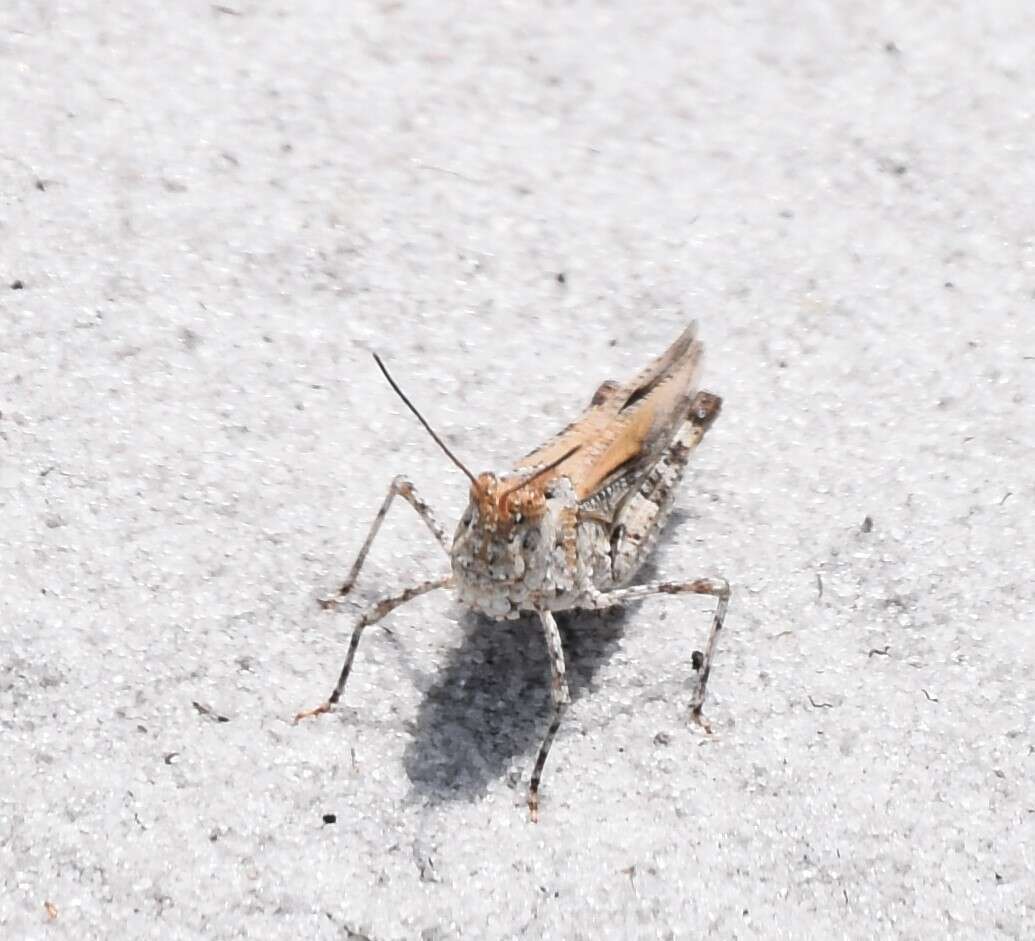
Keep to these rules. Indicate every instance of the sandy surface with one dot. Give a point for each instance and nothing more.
(210, 214)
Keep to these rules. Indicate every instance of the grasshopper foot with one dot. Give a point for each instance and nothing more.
(308, 713)
(337, 599)
(533, 806)
(346, 586)
(695, 715)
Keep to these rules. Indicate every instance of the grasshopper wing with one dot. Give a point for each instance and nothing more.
(627, 426)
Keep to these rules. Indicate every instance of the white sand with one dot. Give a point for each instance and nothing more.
(215, 216)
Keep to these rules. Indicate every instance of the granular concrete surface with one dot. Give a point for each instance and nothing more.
(211, 214)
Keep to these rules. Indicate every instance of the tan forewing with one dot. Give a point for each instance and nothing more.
(627, 426)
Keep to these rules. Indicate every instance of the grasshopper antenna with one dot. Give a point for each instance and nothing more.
(539, 473)
(427, 427)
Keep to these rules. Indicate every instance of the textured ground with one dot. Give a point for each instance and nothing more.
(209, 214)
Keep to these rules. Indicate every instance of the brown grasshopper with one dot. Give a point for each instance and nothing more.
(572, 523)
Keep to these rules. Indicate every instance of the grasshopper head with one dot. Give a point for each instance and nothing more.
(507, 542)
(502, 505)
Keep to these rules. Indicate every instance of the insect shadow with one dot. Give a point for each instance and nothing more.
(490, 702)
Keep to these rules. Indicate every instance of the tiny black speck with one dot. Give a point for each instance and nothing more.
(17, 285)
(561, 278)
(330, 818)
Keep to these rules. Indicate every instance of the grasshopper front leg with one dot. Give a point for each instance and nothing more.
(561, 698)
(702, 663)
(372, 615)
(399, 487)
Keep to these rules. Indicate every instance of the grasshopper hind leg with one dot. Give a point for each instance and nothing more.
(640, 518)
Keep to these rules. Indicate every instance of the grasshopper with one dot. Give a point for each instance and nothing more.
(571, 524)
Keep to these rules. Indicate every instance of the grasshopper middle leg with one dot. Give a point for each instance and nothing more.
(399, 487)
(372, 615)
(702, 662)
(561, 699)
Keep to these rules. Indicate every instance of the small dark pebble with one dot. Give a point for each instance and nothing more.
(697, 660)
(561, 279)
(330, 818)
(17, 285)
(662, 738)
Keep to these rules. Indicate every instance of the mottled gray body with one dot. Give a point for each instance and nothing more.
(573, 523)
(533, 568)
